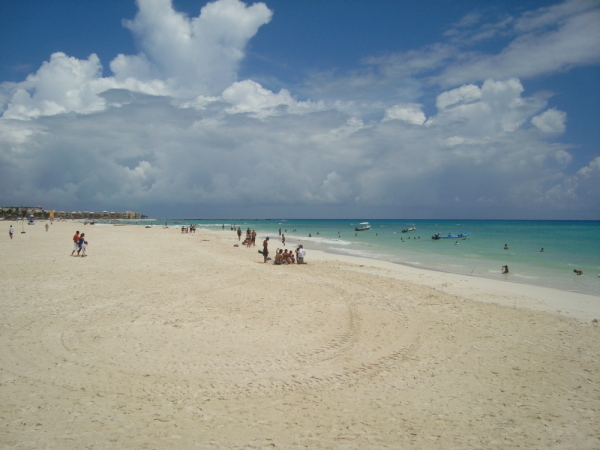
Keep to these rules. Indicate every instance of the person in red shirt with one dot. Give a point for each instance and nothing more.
(75, 243)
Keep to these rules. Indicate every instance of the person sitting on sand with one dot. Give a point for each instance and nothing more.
(578, 272)
(279, 257)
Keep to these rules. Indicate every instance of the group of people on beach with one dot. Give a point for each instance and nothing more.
(283, 256)
(190, 229)
(79, 244)
(250, 240)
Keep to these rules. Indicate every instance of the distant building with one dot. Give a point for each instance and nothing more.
(15, 212)
(21, 211)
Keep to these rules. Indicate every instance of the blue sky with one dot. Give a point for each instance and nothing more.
(308, 109)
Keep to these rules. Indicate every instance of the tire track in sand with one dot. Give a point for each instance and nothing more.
(217, 351)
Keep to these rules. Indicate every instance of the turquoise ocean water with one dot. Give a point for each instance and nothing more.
(567, 245)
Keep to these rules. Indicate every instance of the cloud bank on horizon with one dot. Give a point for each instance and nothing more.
(174, 131)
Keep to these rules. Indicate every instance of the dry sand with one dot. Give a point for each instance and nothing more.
(159, 339)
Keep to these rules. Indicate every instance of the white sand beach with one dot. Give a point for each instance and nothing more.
(159, 339)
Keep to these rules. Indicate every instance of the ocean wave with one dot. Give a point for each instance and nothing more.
(320, 240)
(362, 253)
(516, 275)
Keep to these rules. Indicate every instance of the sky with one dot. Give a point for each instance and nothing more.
(475, 109)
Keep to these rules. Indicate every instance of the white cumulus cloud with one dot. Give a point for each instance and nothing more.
(407, 113)
(63, 84)
(250, 97)
(551, 121)
(496, 106)
(175, 128)
(464, 94)
(179, 56)
(193, 56)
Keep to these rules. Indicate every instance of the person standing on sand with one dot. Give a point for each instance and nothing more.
(10, 232)
(301, 254)
(239, 233)
(266, 248)
(82, 245)
(75, 243)
(47, 226)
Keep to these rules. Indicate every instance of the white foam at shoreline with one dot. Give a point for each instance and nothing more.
(584, 307)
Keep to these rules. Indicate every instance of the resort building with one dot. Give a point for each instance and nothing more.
(18, 212)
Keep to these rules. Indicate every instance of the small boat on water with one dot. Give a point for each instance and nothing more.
(437, 236)
(363, 226)
(408, 230)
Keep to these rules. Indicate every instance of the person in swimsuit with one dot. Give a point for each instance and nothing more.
(266, 248)
(80, 243)
(75, 243)
(278, 256)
